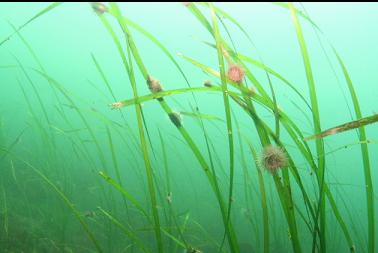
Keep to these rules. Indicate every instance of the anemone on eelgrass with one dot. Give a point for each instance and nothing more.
(273, 158)
(235, 73)
(99, 7)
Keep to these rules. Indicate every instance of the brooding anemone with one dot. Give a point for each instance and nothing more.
(176, 119)
(154, 84)
(99, 7)
(235, 73)
(273, 158)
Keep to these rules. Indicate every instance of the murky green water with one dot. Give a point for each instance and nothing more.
(182, 170)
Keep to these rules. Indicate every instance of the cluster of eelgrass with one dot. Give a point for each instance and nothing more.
(233, 75)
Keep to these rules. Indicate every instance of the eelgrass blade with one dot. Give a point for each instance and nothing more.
(263, 199)
(277, 122)
(232, 241)
(130, 46)
(14, 143)
(366, 161)
(149, 172)
(39, 14)
(346, 127)
(273, 73)
(135, 203)
(124, 192)
(364, 154)
(298, 12)
(122, 54)
(128, 232)
(69, 98)
(202, 116)
(154, 40)
(317, 127)
(5, 210)
(36, 59)
(115, 164)
(165, 93)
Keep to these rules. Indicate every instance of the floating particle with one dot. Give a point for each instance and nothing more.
(117, 105)
(207, 83)
(169, 197)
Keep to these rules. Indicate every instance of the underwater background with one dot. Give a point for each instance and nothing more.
(87, 167)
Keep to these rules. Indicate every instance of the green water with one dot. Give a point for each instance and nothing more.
(80, 176)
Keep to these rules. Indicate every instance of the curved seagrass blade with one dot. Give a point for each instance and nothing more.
(345, 127)
(40, 13)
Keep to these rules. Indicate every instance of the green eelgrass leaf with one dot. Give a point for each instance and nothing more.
(345, 127)
(141, 122)
(127, 231)
(218, 42)
(201, 115)
(317, 128)
(40, 13)
(366, 161)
